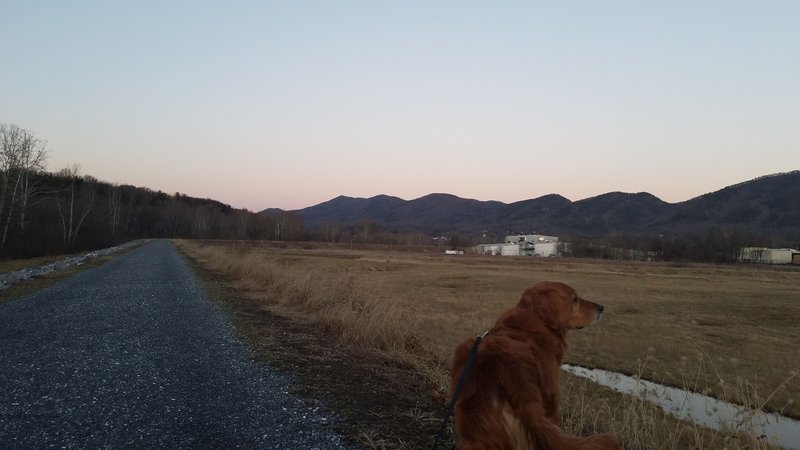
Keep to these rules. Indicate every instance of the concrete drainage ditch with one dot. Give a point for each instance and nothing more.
(701, 409)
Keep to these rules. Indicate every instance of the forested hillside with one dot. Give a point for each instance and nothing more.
(763, 211)
(44, 213)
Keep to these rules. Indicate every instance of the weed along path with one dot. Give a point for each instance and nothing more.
(134, 354)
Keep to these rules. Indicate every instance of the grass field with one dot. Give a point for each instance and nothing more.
(729, 331)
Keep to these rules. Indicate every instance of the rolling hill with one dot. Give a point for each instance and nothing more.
(769, 204)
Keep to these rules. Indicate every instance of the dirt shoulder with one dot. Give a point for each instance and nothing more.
(40, 281)
(380, 402)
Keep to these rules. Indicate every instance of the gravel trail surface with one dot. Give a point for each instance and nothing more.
(133, 354)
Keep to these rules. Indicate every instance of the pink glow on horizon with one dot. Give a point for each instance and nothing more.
(289, 105)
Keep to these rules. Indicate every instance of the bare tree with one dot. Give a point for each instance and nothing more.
(365, 229)
(21, 154)
(74, 205)
(329, 231)
(279, 226)
(114, 207)
(10, 136)
(202, 223)
(285, 225)
(133, 208)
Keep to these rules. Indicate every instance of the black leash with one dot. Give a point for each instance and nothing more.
(463, 379)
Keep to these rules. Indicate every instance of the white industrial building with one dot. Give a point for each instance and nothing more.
(766, 255)
(522, 245)
(498, 249)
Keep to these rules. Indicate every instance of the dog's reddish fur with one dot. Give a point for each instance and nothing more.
(511, 397)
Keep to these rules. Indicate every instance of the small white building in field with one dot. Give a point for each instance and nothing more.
(766, 255)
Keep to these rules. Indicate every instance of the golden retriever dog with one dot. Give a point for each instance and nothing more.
(510, 399)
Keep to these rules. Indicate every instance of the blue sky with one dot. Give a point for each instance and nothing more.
(288, 104)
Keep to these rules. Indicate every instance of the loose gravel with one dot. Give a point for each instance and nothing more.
(132, 354)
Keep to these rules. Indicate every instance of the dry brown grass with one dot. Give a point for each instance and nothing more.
(329, 298)
(730, 332)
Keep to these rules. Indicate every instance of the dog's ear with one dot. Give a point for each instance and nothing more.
(538, 299)
(543, 302)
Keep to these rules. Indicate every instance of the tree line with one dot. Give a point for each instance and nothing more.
(45, 213)
(714, 244)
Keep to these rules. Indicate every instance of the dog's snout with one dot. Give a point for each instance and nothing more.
(600, 308)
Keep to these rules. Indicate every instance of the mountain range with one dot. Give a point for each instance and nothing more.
(765, 205)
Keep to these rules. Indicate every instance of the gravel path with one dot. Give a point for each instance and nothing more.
(132, 354)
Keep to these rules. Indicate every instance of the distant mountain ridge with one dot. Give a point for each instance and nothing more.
(766, 204)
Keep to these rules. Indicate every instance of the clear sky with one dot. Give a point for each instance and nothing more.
(287, 104)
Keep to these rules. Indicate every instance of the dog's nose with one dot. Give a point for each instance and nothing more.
(600, 307)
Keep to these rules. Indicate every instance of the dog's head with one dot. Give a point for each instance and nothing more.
(559, 306)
